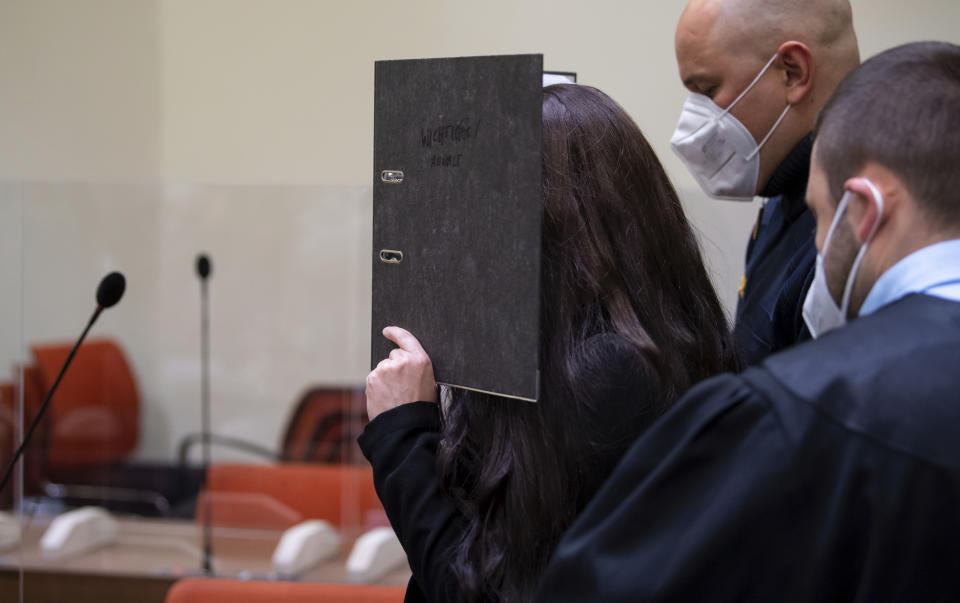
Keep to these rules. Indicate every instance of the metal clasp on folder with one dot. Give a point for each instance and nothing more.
(391, 256)
(392, 176)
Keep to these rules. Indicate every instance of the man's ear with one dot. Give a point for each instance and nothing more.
(796, 61)
(864, 211)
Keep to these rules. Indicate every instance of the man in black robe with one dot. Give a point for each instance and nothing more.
(830, 471)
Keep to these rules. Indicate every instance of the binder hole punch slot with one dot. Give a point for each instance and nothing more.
(390, 256)
(392, 176)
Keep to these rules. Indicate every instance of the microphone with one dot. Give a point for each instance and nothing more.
(204, 268)
(109, 292)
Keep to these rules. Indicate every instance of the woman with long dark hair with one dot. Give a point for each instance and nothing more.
(480, 492)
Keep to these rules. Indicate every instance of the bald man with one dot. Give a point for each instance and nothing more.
(758, 72)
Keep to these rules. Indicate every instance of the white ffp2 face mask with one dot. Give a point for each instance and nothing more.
(820, 310)
(719, 150)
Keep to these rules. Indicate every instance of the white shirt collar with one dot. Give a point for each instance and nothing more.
(933, 270)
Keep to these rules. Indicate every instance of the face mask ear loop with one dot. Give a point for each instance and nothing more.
(752, 84)
(848, 288)
(833, 224)
(769, 134)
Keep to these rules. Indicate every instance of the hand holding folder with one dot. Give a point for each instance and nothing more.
(406, 375)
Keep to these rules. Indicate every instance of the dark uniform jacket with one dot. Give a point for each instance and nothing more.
(780, 262)
(830, 472)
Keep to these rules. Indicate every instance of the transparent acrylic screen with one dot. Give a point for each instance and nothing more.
(114, 483)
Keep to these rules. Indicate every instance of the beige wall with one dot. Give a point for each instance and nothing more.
(135, 133)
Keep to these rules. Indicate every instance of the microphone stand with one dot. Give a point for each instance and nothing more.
(205, 421)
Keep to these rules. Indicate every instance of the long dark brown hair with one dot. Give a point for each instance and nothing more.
(619, 257)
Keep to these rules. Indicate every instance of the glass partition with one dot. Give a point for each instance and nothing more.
(116, 485)
(11, 383)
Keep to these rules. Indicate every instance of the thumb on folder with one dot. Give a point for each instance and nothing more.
(403, 377)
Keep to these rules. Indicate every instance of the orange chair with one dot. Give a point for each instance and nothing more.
(325, 425)
(279, 496)
(94, 416)
(210, 590)
(91, 425)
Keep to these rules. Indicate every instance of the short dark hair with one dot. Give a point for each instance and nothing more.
(900, 109)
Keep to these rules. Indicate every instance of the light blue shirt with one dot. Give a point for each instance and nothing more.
(933, 270)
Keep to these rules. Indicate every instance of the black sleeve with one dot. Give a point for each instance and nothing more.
(667, 524)
(401, 445)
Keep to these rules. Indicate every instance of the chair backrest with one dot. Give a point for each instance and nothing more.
(324, 426)
(7, 436)
(32, 391)
(27, 380)
(94, 416)
(279, 496)
(208, 590)
(8, 411)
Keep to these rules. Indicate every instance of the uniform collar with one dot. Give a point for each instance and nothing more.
(790, 178)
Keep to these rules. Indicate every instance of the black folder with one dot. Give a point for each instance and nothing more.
(456, 216)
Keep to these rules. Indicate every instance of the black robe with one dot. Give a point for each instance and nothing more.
(829, 472)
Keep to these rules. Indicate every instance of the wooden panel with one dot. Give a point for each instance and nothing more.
(51, 586)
